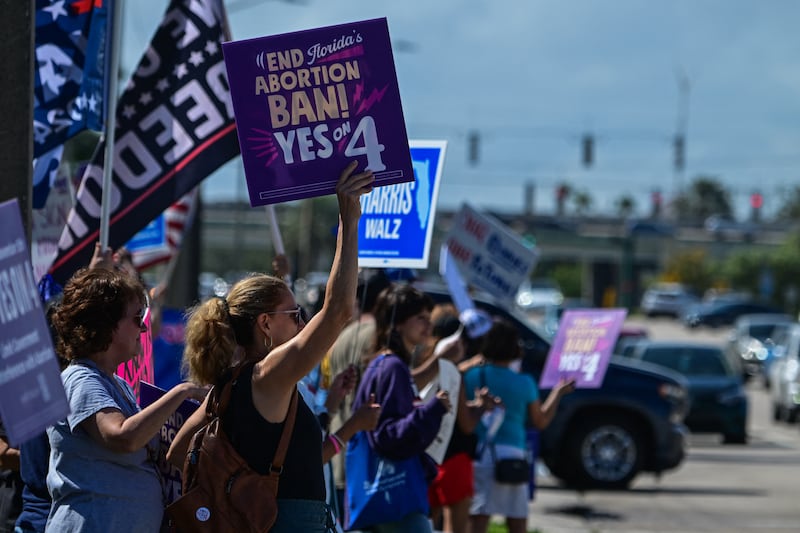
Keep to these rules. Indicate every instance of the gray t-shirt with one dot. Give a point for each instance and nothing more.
(94, 488)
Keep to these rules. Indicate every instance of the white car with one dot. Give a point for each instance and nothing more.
(784, 375)
(538, 294)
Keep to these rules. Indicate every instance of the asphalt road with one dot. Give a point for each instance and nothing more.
(718, 488)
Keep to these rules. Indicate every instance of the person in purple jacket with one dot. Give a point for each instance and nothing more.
(406, 426)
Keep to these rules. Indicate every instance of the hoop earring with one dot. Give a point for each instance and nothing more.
(268, 336)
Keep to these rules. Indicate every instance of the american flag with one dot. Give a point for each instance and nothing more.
(175, 220)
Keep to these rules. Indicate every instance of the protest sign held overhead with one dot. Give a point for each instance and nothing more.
(582, 347)
(309, 102)
(174, 128)
(488, 254)
(32, 396)
(396, 224)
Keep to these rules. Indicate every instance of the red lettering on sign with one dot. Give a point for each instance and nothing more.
(474, 226)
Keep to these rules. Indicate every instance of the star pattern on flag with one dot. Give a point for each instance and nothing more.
(181, 70)
(69, 73)
(196, 58)
(211, 48)
(162, 85)
(56, 9)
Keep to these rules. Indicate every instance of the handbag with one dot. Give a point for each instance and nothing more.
(381, 490)
(221, 493)
(510, 470)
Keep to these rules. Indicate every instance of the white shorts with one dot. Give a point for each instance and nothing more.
(493, 498)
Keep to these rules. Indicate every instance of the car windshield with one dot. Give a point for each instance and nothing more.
(762, 331)
(689, 362)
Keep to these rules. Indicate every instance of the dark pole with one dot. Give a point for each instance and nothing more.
(16, 105)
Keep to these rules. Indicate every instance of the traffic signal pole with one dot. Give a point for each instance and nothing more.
(16, 106)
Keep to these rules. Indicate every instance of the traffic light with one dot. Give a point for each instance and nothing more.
(562, 191)
(679, 146)
(756, 203)
(587, 144)
(655, 203)
(473, 141)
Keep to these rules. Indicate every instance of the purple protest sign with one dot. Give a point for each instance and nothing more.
(307, 103)
(582, 347)
(32, 395)
(170, 475)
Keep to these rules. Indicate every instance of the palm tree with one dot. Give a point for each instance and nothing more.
(625, 205)
(582, 201)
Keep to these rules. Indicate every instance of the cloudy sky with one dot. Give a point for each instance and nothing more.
(533, 76)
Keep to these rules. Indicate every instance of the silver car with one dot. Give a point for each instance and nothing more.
(666, 299)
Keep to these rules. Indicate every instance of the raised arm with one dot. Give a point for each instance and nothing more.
(276, 374)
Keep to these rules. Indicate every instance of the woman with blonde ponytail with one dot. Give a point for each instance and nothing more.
(260, 327)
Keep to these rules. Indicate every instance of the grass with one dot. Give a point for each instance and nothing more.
(501, 528)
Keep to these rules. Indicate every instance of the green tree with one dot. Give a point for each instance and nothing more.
(790, 208)
(705, 197)
(582, 201)
(625, 205)
(694, 269)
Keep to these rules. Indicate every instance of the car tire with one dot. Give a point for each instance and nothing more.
(777, 413)
(792, 415)
(734, 438)
(604, 452)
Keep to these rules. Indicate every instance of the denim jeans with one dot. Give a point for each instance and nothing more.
(411, 523)
(295, 516)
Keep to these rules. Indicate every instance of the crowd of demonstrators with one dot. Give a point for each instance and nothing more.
(414, 378)
(102, 472)
(405, 429)
(260, 325)
(451, 491)
(354, 348)
(521, 405)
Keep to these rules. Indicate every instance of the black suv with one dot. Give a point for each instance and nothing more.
(602, 438)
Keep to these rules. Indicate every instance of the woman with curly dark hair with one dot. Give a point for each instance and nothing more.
(102, 472)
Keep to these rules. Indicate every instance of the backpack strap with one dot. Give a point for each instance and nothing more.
(219, 399)
(276, 467)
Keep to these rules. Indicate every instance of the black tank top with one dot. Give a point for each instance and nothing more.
(256, 440)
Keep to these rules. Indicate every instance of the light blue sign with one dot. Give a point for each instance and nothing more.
(154, 235)
(397, 220)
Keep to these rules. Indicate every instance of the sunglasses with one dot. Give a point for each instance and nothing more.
(139, 318)
(298, 312)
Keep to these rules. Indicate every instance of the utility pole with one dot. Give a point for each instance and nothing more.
(16, 106)
(681, 127)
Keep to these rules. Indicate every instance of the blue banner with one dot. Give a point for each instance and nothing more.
(396, 224)
(70, 80)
